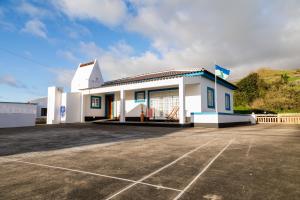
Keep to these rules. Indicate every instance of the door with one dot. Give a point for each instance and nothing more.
(109, 100)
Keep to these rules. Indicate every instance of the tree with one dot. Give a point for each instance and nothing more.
(248, 90)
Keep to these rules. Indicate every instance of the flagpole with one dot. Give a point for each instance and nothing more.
(216, 91)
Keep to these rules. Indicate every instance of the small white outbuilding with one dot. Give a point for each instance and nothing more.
(14, 114)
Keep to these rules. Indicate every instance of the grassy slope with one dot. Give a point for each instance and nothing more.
(270, 76)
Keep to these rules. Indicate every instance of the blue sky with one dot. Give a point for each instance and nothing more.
(42, 42)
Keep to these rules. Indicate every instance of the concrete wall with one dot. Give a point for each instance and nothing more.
(132, 108)
(220, 118)
(72, 103)
(41, 103)
(93, 112)
(17, 114)
(234, 118)
(192, 98)
(54, 103)
(220, 96)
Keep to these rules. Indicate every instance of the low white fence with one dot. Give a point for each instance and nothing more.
(286, 118)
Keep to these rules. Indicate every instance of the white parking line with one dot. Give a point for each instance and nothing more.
(160, 169)
(249, 148)
(203, 170)
(91, 173)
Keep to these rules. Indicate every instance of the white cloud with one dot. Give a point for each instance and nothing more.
(243, 35)
(240, 35)
(108, 12)
(63, 77)
(11, 81)
(35, 27)
(32, 10)
(119, 61)
(90, 49)
(76, 31)
(68, 55)
(4, 24)
(7, 26)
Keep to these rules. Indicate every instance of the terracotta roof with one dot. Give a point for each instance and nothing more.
(150, 76)
(86, 64)
(168, 75)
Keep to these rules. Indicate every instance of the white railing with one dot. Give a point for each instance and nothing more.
(284, 118)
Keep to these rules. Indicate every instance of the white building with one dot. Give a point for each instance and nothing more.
(186, 96)
(13, 114)
(41, 107)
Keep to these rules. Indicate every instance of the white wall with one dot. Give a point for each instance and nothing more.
(41, 103)
(72, 103)
(220, 96)
(92, 112)
(88, 76)
(234, 118)
(132, 108)
(214, 118)
(17, 114)
(53, 106)
(192, 99)
(204, 118)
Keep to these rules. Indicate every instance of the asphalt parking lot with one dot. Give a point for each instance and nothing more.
(88, 161)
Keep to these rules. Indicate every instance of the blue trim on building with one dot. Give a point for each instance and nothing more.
(213, 96)
(139, 100)
(211, 77)
(227, 96)
(219, 113)
(194, 74)
(219, 80)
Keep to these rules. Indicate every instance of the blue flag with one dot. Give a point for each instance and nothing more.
(221, 72)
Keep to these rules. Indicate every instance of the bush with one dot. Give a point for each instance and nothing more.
(254, 94)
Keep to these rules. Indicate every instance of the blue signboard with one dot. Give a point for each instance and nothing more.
(62, 111)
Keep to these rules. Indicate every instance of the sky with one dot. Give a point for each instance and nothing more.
(43, 42)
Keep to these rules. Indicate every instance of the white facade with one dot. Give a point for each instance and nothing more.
(71, 104)
(17, 114)
(41, 107)
(186, 95)
(54, 105)
(87, 76)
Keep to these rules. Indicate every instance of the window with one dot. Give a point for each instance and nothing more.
(96, 102)
(210, 97)
(227, 101)
(140, 96)
(43, 112)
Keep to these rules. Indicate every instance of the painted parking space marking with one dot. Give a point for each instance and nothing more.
(249, 148)
(203, 170)
(160, 169)
(91, 173)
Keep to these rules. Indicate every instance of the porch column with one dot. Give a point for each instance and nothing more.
(122, 106)
(181, 101)
(82, 102)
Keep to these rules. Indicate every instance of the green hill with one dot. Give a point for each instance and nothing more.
(268, 90)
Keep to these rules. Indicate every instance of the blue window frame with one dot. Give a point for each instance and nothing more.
(140, 96)
(95, 102)
(210, 97)
(227, 102)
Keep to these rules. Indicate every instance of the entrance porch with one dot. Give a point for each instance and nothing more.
(149, 104)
